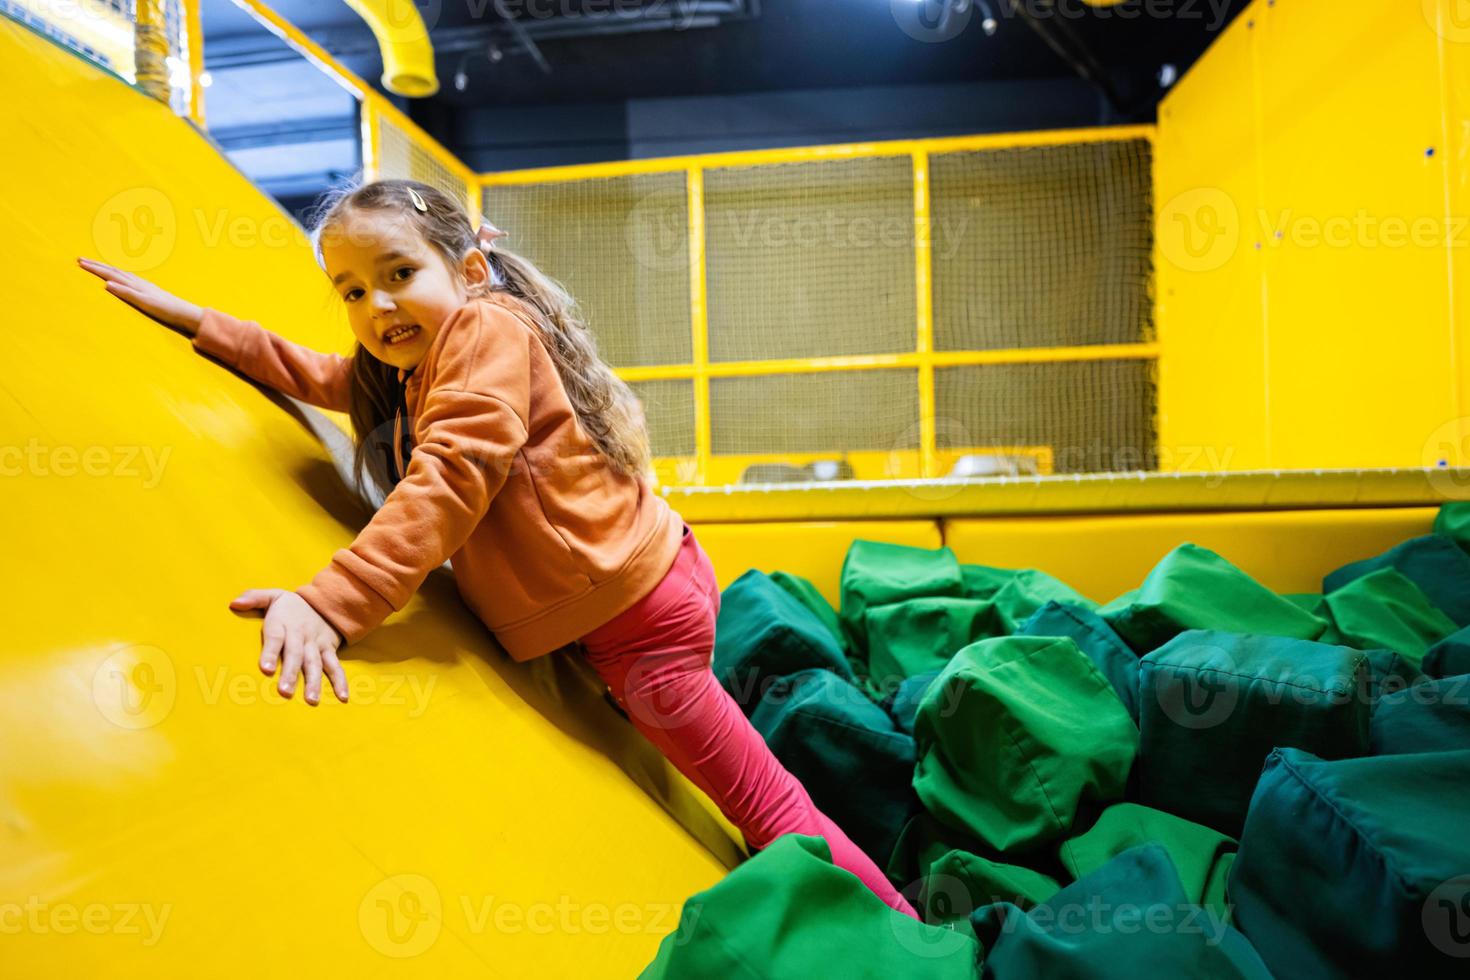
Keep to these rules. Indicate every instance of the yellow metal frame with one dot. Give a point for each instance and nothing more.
(699, 327)
(375, 108)
(807, 154)
(704, 468)
(194, 45)
(1093, 493)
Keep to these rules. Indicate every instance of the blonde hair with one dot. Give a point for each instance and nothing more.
(604, 404)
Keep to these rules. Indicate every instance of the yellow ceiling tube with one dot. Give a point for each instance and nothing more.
(408, 55)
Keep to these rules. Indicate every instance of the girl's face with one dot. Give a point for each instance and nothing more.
(398, 289)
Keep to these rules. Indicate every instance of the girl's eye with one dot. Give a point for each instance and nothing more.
(405, 269)
(352, 294)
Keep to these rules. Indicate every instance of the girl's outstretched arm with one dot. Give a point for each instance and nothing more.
(318, 379)
(323, 380)
(472, 424)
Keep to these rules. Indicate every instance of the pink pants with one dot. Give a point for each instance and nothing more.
(655, 658)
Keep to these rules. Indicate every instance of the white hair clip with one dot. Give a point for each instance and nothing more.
(418, 202)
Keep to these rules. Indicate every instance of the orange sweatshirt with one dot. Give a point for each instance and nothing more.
(546, 539)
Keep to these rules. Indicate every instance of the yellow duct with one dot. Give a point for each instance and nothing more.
(408, 55)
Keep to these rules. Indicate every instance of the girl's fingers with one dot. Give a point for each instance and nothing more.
(255, 599)
(110, 273)
(270, 649)
(313, 664)
(291, 666)
(333, 667)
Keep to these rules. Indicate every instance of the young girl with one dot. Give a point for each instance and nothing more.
(517, 454)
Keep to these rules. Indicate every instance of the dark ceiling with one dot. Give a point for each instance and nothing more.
(560, 51)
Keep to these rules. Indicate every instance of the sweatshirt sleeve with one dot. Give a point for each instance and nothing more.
(472, 425)
(323, 380)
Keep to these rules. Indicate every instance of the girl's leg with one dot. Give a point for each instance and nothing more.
(657, 666)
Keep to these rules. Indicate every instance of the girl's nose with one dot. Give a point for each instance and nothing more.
(382, 301)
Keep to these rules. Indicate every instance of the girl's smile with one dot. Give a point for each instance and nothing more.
(402, 335)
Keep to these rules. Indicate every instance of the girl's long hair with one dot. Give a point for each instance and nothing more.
(605, 406)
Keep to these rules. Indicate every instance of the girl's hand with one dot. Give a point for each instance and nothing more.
(142, 295)
(309, 641)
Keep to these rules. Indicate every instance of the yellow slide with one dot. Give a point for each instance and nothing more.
(163, 812)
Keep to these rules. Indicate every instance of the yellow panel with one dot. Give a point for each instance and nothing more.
(1103, 557)
(813, 550)
(1212, 387)
(1311, 183)
(1452, 26)
(159, 804)
(1360, 357)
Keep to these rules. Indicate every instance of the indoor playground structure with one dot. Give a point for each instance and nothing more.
(1090, 506)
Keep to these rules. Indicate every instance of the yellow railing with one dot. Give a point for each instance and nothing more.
(929, 460)
(393, 145)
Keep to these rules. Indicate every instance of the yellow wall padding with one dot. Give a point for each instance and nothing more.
(812, 549)
(1103, 557)
(1313, 234)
